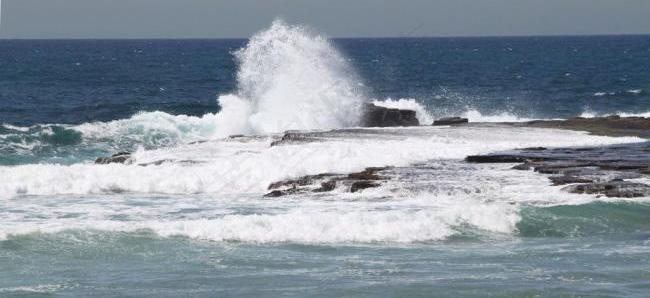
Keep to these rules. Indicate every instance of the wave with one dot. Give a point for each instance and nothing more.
(585, 219)
(477, 116)
(633, 92)
(227, 166)
(589, 114)
(321, 226)
(289, 78)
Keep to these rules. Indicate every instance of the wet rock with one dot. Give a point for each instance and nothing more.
(326, 186)
(496, 158)
(294, 137)
(523, 167)
(451, 121)
(618, 189)
(302, 181)
(611, 125)
(561, 180)
(121, 157)
(361, 185)
(367, 174)
(327, 182)
(597, 170)
(376, 116)
(279, 193)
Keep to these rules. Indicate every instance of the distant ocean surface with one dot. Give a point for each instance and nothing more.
(77, 81)
(188, 217)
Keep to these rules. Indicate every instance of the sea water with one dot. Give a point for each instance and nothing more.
(188, 217)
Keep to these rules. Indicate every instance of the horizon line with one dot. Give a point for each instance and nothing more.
(351, 37)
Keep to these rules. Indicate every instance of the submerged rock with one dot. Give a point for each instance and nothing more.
(295, 137)
(360, 185)
(617, 188)
(496, 158)
(376, 116)
(451, 121)
(326, 186)
(367, 174)
(121, 157)
(327, 182)
(594, 170)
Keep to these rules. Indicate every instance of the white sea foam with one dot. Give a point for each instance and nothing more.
(234, 167)
(488, 199)
(476, 116)
(289, 78)
(16, 128)
(589, 114)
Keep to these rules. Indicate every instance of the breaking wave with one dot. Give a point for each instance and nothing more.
(289, 78)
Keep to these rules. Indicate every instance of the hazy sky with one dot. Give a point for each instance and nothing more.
(336, 18)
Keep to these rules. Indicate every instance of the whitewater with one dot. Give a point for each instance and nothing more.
(288, 79)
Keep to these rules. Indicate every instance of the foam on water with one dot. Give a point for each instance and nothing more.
(589, 114)
(235, 167)
(477, 116)
(288, 78)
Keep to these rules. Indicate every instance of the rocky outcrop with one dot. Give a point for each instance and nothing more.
(450, 121)
(610, 125)
(617, 188)
(591, 170)
(361, 185)
(121, 157)
(321, 183)
(376, 116)
(295, 137)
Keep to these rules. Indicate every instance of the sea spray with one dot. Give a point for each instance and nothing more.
(289, 78)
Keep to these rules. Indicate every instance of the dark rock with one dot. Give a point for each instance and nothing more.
(593, 170)
(302, 181)
(367, 174)
(522, 167)
(618, 189)
(293, 137)
(611, 125)
(561, 180)
(277, 193)
(120, 157)
(326, 186)
(327, 182)
(450, 121)
(375, 116)
(496, 158)
(361, 185)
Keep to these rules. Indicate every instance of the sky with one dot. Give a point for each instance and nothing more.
(334, 18)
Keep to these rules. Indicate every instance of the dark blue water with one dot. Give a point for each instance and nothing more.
(50, 81)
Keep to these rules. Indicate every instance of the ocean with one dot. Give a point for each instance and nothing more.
(187, 215)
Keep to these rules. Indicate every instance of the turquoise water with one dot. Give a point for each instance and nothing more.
(599, 256)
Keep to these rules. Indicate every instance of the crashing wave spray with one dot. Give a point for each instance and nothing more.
(289, 78)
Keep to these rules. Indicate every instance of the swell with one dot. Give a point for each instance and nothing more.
(596, 218)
